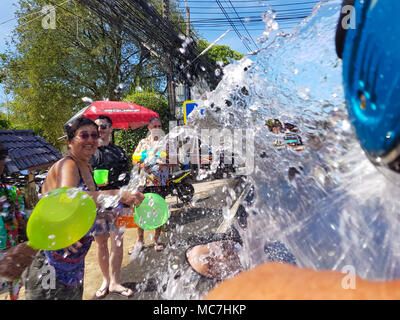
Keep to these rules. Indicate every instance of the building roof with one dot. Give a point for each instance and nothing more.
(27, 151)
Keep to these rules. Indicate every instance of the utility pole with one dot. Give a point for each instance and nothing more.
(187, 19)
(187, 87)
(170, 76)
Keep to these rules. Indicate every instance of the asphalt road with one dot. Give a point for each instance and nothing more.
(166, 275)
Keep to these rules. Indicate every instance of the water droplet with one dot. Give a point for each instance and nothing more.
(151, 201)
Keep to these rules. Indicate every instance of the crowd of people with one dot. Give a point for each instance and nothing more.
(268, 281)
(89, 148)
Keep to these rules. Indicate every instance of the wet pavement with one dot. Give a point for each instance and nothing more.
(166, 275)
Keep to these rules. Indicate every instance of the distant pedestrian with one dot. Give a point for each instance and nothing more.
(157, 174)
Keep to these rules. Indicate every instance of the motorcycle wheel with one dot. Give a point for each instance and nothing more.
(185, 192)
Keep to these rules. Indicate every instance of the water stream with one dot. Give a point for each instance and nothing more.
(339, 210)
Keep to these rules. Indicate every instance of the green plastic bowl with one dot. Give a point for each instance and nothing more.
(152, 213)
(60, 219)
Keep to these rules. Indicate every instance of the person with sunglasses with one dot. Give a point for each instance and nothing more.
(371, 63)
(73, 170)
(114, 159)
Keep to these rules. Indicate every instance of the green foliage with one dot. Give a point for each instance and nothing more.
(129, 139)
(49, 71)
(219, 52)
(5, 124)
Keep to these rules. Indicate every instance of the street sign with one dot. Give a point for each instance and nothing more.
(188, 107)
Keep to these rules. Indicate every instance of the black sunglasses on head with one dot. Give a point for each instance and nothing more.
(104, 126)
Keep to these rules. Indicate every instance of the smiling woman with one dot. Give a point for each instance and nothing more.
(67, 264)
(73, 170)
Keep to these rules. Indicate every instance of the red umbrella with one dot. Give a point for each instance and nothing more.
(122, 114)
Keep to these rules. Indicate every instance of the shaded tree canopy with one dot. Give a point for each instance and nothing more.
(49, 71)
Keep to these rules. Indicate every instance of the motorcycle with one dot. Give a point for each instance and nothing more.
(179, 185)
(178, 181)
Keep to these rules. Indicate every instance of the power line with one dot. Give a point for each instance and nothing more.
(243, 13)
(210, 1)
(30, 14)
(140, 20)
(249, 19)
(243, 25)
(308, 9)
(233, 25)
(271, 5)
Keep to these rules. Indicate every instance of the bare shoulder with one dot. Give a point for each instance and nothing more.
(63, 167)
(65, 164)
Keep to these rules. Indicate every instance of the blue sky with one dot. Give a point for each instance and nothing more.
(210, 21)
(6, 13)
(6, 28)
(208, 18)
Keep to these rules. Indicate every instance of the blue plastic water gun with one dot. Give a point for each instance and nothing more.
(371, 60)
(147, 153)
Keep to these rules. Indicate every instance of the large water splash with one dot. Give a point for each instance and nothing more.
(339, 211)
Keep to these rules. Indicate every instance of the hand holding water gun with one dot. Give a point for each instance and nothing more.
(147, 155)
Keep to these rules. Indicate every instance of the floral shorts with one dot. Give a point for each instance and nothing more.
(104, 226)
(105, 221)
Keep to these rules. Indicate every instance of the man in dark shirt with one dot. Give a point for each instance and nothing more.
(114, 159)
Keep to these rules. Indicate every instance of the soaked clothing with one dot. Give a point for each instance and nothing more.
(69, 269)
(155, 175)
(114, 159)
(42, 284)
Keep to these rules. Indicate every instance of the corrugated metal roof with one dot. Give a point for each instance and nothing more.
(25, 150)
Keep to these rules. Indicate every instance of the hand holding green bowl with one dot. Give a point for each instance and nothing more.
(152, 213)
(60, 219)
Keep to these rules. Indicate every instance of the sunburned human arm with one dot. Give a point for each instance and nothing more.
(280, 281)
(69, 177)
(130, 198)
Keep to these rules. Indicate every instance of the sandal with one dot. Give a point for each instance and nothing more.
(120, 293)
(136, 248)
(159, 246)
(103, 293)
